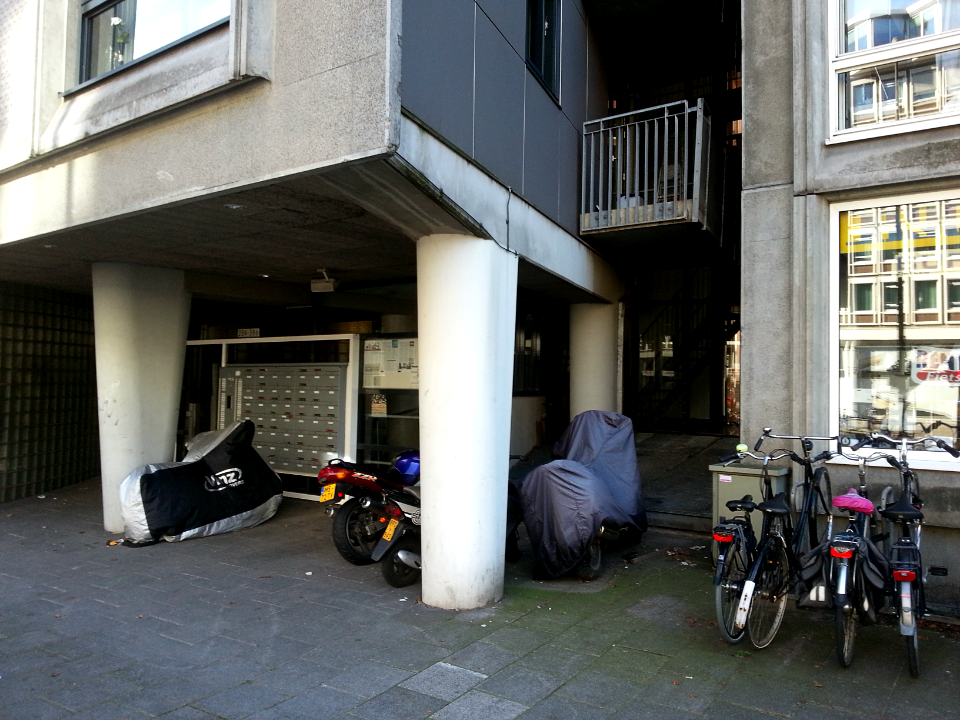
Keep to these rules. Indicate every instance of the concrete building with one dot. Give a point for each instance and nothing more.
(548, 207)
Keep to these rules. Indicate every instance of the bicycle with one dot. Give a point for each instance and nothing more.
(905, 576)
(775, 564)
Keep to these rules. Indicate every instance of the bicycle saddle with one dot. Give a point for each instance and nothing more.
(901, 511)
(853, 501)
(776, 505)
(745, 503)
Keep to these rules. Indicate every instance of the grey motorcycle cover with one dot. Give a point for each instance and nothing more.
(597, 481)
(225, 485)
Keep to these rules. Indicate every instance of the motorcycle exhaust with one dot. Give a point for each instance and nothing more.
(329, 510)
(409, 558)
(608, 533)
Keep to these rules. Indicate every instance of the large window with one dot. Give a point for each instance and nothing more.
(115, 33)
(543, 42)
(895, 63)
(899, 317)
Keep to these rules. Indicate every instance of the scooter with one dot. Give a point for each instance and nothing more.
(359, 522)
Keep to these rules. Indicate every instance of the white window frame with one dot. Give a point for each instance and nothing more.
(919, 459)
(872, 56)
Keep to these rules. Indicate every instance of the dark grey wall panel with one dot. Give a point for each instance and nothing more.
(569, 175)
(540, 149)
(437, 73)
(573, 65)
(498, 134)
(510, 17)
(596, 83)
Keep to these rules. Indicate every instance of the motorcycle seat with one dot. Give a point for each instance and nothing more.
(775, 506)
(744, 504)
(902, 511)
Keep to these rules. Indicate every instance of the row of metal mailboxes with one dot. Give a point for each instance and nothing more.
(293, 437)
(297, 378)
(295, 452)
(294, 394)
(274, 416)
(279, 424)
(267, 407)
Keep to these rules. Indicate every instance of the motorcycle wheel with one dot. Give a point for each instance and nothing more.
(395, 572)
(350, 537)
(589, 567)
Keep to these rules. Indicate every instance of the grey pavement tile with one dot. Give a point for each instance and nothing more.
(187, 713)
(276, 651)
(691, 695)
(870, 699)
(588, 641)
(483, 658)
(518, 638)
(350, 652)
(812, 711)
(109, 711)
(398, 703)
(32, 640)
(477, 704)
(702, 666)
(228, 672)
(33, 710)
(241, 701)
(903, 711)
(412, 655)
(368, 679)
(629, 664)
(81, 693)
(452, 635)
(720, 710)
(170, 695)
(556, 661)
(318, 703)
(521, 684)
(640, 710)
(752, 691)
(29, 660)
(560, 708)
(600, 689)
(293, 678)
(444, 681)
(145, 674)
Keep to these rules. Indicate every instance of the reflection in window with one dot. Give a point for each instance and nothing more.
(909, 88)
(116, 33)
(899, 317)
(875, 23)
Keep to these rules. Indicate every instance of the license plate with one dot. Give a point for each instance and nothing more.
(391, 528)
(328, 491)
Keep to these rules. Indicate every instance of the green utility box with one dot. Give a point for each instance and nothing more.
(732, 482)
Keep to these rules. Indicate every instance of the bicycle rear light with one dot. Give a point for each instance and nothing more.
(723, 536)
(904, 575)
(841, 551)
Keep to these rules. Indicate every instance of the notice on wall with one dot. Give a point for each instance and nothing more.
(936, 365)
(391, 363)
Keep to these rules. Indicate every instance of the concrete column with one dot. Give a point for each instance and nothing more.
(593, 357)
(467, 297)
(140, 327)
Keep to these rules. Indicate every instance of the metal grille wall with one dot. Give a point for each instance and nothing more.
(48, 391)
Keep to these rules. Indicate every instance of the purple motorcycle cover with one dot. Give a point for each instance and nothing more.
(597, 481)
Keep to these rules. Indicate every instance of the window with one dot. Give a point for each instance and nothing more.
(895, 61)
(116, 33)
(898, 349)
(543, 42)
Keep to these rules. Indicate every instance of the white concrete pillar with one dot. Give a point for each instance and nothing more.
(467, 300)
(593, 357)
(140, 327)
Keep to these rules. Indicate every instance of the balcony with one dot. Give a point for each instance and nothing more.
(649, 168)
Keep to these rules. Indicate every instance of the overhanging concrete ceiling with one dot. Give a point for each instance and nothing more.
(265, 243)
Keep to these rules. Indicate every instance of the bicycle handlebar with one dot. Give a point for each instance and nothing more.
(768, 432)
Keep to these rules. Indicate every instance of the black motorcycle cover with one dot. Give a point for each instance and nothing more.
(227, 487)
(566, 501)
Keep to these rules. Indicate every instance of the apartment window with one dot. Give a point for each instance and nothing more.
(543, 42)
(895, 63)
(116, 33)
(898, 360)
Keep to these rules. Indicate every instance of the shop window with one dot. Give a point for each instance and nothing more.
(895, 63)
(117, 33)
(899, 353)
(543, 42)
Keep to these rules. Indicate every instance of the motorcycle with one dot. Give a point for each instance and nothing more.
(359, 523)
(380, 520)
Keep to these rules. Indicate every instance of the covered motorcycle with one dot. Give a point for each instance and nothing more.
(223, 485)
(595, 484)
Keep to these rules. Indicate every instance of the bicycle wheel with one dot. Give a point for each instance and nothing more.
(846, 630)
(770, 594)
(728, 591)
(913, 641)
(822, 506)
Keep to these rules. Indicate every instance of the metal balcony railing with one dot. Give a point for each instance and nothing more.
(649, 167)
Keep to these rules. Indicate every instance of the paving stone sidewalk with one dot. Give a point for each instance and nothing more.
(271, 624)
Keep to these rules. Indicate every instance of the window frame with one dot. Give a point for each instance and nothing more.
(919, 459)
(90, 8)
(552, 88)
(902, 50)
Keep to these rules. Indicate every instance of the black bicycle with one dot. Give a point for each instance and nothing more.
(764, 571)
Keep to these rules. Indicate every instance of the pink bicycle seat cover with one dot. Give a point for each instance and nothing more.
(853, 501)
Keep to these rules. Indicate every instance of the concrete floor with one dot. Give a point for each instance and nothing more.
(271, 624)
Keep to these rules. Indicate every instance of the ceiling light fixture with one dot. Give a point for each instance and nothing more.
(324, 284)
